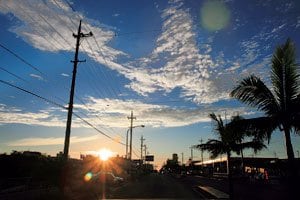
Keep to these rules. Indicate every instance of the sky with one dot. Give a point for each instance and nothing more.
(170, 62)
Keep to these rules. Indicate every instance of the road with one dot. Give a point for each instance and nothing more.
(242, 190)
(155, 186)
(167, 186)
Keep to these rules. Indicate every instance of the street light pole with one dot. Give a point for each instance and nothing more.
(130, 128)
(131, 123)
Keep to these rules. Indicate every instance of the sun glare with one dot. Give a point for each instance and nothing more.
(105, 154)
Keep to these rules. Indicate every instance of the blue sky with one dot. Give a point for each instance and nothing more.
(171, 62)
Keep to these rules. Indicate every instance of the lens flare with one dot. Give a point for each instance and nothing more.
(215, 15)
(88, 176)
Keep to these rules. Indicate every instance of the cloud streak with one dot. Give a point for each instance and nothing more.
(37, 141)
(11, 115)
(151, 115)
(115, 115)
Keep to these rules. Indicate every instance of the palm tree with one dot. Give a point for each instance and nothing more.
(229, 140)
(280, 104)
(240, 134)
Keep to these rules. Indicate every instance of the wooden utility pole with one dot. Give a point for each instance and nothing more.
(131, 124)
(145, 149)
(142, 140)
(201, 153)
(192, 155)
(70, 108)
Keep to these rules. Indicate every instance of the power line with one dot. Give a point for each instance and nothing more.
(52, 102)
(110, 91)
(21, 59)
(20, 78)
(14, 75)
(96, 89)
(49, 41)
(91, 125)
(65, 41)
(36, 95)
(111, 77)
(61, 106)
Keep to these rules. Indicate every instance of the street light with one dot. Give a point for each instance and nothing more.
(126, 155)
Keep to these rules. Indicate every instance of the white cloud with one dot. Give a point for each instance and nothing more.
(176, 62)
(11, 115)
(113, 113)
(151, 115)
(48, 26)
(66, 75)
(36, 76)
(298, 22)
(276, 29)
(234, 67)
(38, 141)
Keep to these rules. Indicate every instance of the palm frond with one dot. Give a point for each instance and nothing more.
(256, 145)
(215, 147)
(260, 128)
(254, 92)
(296, 118)
(219, 125)
(284, 76)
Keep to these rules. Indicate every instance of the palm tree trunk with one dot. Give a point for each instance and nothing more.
(230, 183)
(242, 157)
(292, 170)
(288, 143)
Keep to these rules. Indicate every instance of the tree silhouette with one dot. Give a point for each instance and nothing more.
(229, 140)
(280, 103)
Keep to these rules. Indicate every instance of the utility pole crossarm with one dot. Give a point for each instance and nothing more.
(70, 108)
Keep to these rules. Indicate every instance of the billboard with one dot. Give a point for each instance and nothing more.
(149, 158)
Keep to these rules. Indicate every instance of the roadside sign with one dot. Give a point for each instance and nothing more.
(150, 158)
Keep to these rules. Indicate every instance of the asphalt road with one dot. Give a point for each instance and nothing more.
(155, 186)
(242, 189)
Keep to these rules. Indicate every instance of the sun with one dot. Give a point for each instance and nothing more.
(105, 154)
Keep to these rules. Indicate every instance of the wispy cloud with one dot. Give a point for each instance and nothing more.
(66, 75)
(152, 115)
(11, 115)
(36, 76)
(38, 141)
(297, 25)
(176, 61)
(48, 25)
(113, 113)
